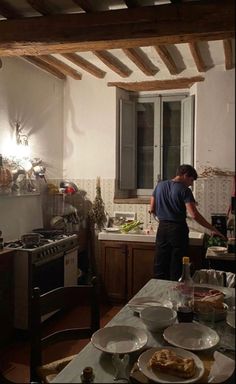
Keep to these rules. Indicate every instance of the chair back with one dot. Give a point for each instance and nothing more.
(60, 299)
(212, 276)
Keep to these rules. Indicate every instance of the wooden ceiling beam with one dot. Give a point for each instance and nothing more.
(167, 59)
(89, 6)
(60, 66)
(227, 44)
(123, 28)
(84, 64)
(113, 63)
(45, 66)
(201, 66)
(140, 59)
(43, 7)
(157, 85)
(8, 11)
(132, 3)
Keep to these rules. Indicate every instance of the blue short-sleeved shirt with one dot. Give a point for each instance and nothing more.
(170, 198)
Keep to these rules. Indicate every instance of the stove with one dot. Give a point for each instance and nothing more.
(49, 264)
(47, 248)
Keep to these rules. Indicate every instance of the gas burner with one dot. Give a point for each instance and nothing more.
(13, 244)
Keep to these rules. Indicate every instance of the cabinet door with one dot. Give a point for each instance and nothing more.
(6, 299)
(70, 268)
(114, 270)
(140, 265)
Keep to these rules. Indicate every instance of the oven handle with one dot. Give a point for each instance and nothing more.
(38, 263)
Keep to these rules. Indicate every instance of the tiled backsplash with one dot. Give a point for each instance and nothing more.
(212, 195)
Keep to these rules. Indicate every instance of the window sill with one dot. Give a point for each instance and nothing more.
(132, 200)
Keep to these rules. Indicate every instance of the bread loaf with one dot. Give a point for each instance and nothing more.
(168, 362)
(214, 300)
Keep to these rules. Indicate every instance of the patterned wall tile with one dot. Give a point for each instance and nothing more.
(212, 195)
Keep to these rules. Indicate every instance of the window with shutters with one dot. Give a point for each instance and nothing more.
(156, 135)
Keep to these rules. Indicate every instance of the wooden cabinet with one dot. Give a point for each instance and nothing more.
(125, 268)
(197, 257)
(140, 266)
(6, 297)
(113, 270)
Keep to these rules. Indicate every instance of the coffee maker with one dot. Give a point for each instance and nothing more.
(219, 221)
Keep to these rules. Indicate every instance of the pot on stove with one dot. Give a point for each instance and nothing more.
(31, 239)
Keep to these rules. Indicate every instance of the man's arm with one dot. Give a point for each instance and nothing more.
(196, 215)
(153, 205)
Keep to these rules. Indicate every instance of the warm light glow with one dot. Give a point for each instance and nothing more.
(13, 150)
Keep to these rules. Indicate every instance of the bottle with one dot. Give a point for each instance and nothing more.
(87, 375)
(185, 288)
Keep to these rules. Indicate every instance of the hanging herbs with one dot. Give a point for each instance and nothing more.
(97, 212)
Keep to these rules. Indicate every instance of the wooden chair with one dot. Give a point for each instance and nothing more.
(59, 299)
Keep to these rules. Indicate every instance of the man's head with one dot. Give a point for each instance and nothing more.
(187, 173)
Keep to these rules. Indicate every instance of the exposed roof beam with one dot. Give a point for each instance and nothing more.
(62, 67)
(227, 44)
(167, 59)
(89, 6)
(43, 7)
(201, 66)
(157, 85)
(84, 64)
(132, 3)
(124, 28)
(139, 58)
(8, 11)
(113, 63)
(45, 66)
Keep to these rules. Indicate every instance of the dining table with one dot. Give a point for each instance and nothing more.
(102, 363)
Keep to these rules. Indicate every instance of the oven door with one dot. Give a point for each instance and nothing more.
(48, 274)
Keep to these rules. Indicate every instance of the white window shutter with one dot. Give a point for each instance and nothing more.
(127, 145)
(187, 130)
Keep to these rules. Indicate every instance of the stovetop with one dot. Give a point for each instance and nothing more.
(19, 244)
(47, 248)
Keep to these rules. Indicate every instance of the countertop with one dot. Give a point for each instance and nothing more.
(195, 238)
(220, 256)
(4, 251)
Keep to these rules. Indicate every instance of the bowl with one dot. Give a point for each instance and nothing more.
(158, 318)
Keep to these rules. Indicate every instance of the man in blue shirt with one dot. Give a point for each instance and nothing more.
(170, 202)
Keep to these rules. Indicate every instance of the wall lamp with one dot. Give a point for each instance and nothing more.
(21, 139)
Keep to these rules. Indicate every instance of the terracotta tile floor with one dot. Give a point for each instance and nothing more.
(14, 359)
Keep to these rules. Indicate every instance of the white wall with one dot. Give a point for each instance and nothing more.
(215, 120)
(35, 99)
(90, 129)
(90, 125)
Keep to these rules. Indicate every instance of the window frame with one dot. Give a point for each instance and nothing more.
(158, 100)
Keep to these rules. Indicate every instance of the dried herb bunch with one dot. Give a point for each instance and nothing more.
(97, 212)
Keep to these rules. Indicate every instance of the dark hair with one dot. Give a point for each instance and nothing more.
(186, 169)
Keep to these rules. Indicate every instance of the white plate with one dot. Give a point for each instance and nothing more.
(112, 229)
(119, 339)
(160, 377)
(191, 336)
(139, 303)
(217, 249)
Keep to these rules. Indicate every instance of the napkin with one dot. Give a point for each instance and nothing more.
(222, 368)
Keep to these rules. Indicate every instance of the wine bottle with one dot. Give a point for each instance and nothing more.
(185, 288)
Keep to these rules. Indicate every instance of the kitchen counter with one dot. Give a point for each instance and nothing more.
(220, 256)
(195, 238)
(4, 251)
